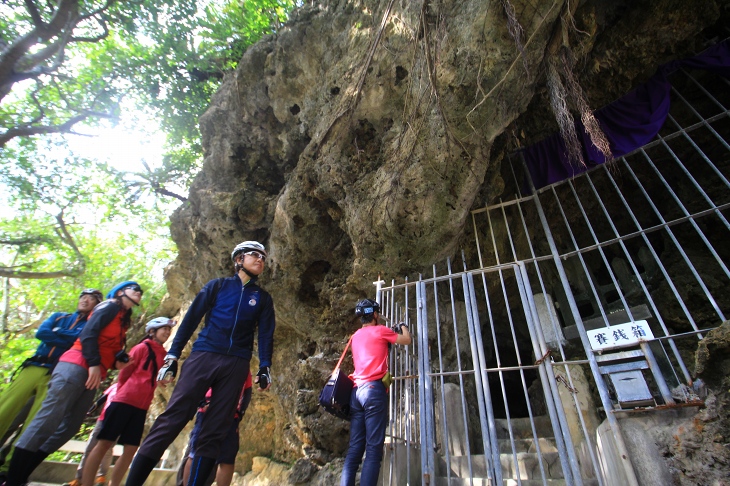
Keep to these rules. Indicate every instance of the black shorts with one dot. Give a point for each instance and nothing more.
(123, 423)
(229, 447)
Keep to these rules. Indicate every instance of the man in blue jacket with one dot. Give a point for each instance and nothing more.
(234, 308)
(57, 334)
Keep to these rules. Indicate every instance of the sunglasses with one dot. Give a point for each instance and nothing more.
(256, 254)
(135, 288)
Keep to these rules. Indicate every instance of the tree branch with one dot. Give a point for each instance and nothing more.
(25, 241)
(68, 239)
(161, 190)
(65, 16)
(34, 14)
(78, 268)
(44, 129)
(9, 273)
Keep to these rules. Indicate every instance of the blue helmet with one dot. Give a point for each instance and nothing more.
(119, 287)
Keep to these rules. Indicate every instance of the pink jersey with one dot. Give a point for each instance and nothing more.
(110, 394)
(370, 353)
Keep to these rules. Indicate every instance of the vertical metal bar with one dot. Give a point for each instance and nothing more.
(387, 296)
(556, 329)
(476, 235)
(444, 416)
(600, 383)
(654, 367)
(499, 364)
(460, 369)
(410, 396)
(481, 371)
(425, 392)
(486, 420)
(523, 292)
(561, 430)
(494, 241)
(519, 363)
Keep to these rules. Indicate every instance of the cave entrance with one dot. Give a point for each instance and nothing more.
(470, 398)
(506, 378)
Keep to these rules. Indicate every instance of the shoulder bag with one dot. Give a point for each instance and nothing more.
(335, 396)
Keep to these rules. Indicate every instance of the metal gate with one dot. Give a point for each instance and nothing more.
(473, 400)
(498, 386)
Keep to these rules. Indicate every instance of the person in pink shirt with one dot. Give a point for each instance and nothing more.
(124, 418)
(369, 400)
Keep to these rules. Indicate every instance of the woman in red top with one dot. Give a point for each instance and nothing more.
(369, 400)
(125, 416)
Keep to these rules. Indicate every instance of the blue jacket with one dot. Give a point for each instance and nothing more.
(233, 314)
(55, 342)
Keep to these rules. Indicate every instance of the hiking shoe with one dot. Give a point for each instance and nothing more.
(99, 480)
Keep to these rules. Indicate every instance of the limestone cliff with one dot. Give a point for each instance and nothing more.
(356, 140)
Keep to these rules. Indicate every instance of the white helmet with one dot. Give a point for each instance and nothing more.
(159, 322)
(248, 246)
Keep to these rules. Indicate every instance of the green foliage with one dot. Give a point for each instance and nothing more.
(90, 224)
(166, 57)
(12, 355)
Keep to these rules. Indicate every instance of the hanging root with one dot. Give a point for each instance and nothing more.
(559, 104)
(515, 30)
(577, 97)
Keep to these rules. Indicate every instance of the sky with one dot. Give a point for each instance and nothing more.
(124, 146)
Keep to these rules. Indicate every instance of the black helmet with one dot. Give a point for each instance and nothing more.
(365, 307)
(96, 293)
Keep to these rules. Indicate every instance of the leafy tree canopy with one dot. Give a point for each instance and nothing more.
(66, 68)
(68, 65)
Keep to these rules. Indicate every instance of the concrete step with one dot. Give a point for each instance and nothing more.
(522, 429)
(546, 444)
(526, 466)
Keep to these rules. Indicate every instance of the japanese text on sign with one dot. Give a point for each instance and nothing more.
(619, 335)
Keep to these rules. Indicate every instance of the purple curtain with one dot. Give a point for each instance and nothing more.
(630, 122)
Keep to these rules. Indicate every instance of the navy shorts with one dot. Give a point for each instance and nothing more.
(123, 423)
(229, 447)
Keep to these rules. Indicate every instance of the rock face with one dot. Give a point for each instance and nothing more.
(356, 140)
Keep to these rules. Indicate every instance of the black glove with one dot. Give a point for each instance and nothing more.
(398, 327)
(263, 378)
(168, 369)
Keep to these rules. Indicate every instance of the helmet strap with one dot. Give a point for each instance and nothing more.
(239, 267)
(124, 294)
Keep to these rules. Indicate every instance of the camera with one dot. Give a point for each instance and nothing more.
(122, 356)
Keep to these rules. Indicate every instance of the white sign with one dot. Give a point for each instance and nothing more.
(620, 335)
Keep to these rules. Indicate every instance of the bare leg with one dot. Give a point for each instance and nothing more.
(224, 475)
(120, 468)
(186, 470)
(93, 460)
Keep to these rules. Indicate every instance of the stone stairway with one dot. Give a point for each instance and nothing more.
(522, 463)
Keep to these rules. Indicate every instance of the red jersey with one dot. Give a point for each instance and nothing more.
(137, 382)
(370, 353)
